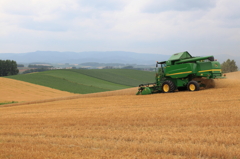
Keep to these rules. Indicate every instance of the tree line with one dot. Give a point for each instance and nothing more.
(229, 66)
(8, 67)
(35, 70)
(40, 66)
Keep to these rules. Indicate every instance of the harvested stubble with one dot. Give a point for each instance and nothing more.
(129, 91)
(203, 124)
(14, 90)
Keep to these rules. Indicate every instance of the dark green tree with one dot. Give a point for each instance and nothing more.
(8, 67)
(229, 66)
(128, 67)
(107, 67)
(20, 65)
(35, 70)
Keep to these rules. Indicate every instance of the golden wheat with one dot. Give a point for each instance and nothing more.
(19, 91)
(202, 124)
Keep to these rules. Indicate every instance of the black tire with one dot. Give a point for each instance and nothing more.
(182, 88)
(168, 86)
(193, 86)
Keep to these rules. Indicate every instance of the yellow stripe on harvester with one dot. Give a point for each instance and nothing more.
(178, 73)
(211, 70)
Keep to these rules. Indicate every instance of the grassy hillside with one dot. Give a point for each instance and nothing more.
(88, 81)
(121, 76)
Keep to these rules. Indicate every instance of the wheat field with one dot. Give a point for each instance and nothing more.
(19, 91)
(119, 124)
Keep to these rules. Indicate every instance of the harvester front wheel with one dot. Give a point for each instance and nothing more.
(168, 86)
(193, 86)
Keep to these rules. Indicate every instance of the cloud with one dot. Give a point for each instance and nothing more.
(127, 25)
(156, 6)
(38, 15)
(103, 4)
(58, 16)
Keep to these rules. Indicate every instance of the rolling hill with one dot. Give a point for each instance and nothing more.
(88, 81)
(20, 91)
(120, 124)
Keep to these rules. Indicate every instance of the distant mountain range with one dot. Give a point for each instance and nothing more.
(84, 57)
(100, 57)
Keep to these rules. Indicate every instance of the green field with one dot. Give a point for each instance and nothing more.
(88, 81)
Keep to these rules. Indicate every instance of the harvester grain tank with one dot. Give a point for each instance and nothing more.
(183, 72)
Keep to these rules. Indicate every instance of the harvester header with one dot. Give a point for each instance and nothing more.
(183, 72)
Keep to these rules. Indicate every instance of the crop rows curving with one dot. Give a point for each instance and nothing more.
(121, 76)
(63, 83)
(87, 81)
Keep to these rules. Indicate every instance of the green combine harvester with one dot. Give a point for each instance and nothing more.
(183, 72)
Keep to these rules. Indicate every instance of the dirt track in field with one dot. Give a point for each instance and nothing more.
(119, 124)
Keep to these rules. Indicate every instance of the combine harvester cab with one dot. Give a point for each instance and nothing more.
(183, 72)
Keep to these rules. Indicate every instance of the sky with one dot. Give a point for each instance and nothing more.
(142, 26)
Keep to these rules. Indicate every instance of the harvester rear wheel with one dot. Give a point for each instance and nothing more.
(168, 86)
(193, 86)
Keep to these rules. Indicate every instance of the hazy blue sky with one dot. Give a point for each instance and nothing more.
(143, 26)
